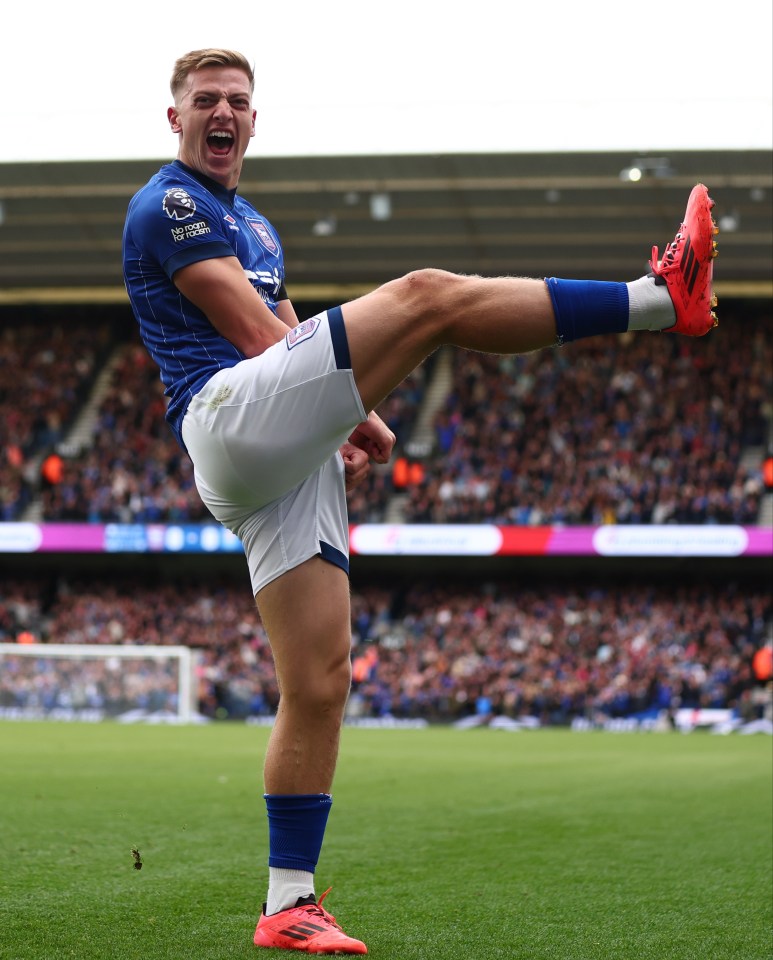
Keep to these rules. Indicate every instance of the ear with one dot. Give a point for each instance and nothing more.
(252, 128)
(174, 120)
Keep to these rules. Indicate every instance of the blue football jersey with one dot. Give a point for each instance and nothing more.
(180, 217)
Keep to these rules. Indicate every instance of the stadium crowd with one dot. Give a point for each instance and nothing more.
(635, 429)
(46, 372)
(109, 687)
(546, 651)
(643, 429)
(135, 471)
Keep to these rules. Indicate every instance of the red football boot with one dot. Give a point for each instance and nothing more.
(687, 267)
(306, 927)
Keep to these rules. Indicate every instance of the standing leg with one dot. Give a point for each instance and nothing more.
(307, 617)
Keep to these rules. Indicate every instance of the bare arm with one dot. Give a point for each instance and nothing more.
(223, 293)
(286, 313)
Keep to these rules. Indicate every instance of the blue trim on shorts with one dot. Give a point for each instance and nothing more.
(329, 553)
(335, 319)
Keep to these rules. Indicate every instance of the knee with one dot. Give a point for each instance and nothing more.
(328, 693)
(429, 292)
(335, 689)
(322, 689)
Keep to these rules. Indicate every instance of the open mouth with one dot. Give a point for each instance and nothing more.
(220, 142)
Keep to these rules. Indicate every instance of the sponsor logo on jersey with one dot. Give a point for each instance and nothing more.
(302, 332)
(190, 230)
(177, 204)
(262, 233)
(231, 222)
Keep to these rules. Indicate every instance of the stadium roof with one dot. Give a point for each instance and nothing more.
(349, 223)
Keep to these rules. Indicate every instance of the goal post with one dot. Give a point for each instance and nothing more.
(63, 681)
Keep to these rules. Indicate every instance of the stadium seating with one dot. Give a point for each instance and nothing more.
(635, 429)
(540, 650)
(628, 430)
(631, 430)
(46, 370)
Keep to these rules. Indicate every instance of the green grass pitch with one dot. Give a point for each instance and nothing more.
(442, 844)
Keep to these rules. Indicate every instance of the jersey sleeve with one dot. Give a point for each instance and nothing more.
(175, 227)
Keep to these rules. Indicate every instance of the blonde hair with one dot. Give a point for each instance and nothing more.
(210, 57)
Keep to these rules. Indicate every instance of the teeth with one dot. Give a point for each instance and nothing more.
(714, 300)
(714, 250)
(715, 319)
(221, 134)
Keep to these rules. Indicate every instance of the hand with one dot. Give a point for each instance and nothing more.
(375, 438)
(356, 465)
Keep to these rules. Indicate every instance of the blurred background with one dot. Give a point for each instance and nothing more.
(582, 536)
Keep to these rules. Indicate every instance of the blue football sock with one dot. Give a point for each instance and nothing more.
(296, 828)
(587, 308)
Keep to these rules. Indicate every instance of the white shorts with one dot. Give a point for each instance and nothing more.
(264, 437)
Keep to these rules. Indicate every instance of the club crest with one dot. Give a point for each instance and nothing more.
(262, 233)
(302, 332)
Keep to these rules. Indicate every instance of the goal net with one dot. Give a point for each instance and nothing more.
(92, 682)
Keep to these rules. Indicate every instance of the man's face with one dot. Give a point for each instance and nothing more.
(214, 117)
